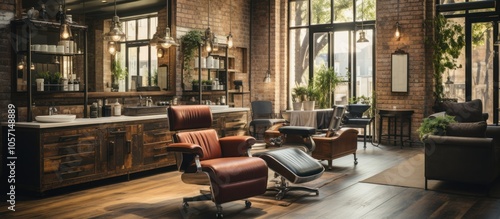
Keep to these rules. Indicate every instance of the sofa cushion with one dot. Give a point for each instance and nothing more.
(471, 111)
(466, 129)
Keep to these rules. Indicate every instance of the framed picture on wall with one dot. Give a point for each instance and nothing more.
(399, 71)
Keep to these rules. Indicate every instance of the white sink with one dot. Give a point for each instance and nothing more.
(218, 107)
(56, 118)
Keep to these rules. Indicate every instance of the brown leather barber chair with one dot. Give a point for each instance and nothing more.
(222, 164)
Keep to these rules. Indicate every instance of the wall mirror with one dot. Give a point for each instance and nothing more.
(399, 73)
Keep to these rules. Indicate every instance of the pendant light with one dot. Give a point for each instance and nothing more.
(112, 47)
(397, 34)
(65, 30)
(267, 79)
(230, 36)
(115, 33)
(166, 40)
(208, 33)
(362, 34)
(21, 64)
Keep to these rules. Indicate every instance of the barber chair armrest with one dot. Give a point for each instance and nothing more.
(185, 148)
(470, 143)
(236, 146)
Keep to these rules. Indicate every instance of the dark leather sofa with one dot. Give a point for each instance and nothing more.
(465, 154)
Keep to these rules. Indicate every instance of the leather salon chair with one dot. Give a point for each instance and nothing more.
(222, 164)
(263, 118)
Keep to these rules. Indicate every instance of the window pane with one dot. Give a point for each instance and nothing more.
(144, 65)
(154, 65)
(321, 12)
(298, 13)
(132, 67)
(320, 54)
(142, 27)
(343, 11)
(364, 66)
(152, 26)
(130, 30)
(365, 10)
(341, 57)
(482, 66)
(299, 59)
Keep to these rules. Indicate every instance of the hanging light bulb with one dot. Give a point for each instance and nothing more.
(159, 52)
(362, 34)
(230, 36)
(65, 32)
(163, 40)
(112, 47)
(230, 40)
(21, 64)
(397, 34)
(32, 67)
(267, 79)
(115, 33)
(215, 43)
(208, 40)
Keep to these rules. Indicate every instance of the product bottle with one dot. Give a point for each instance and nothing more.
(117, 109)
(93, 110)
(76, 84)
(71, 86)
(60, 14)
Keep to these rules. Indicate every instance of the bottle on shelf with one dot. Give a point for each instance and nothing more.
(71, 86)
(60, 14)
(76, 84)
(117, 108)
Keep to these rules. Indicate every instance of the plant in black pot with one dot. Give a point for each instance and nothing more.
(195, 85)
(435, 125)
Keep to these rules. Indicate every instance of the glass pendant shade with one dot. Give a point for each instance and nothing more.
(362, 37)
(32, 67)
(65, 31)
(397, 34)
(20, 65)
(230, 41)
(267, 79)
(159, 52)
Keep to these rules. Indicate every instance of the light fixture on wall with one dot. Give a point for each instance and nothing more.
(397, 33)
(362, 34)
(230, 36)
(267, 79)
(208, 33)
(64, 30)
(164, 40)
(115, 33)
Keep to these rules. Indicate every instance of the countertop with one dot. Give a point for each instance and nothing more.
(112, 119)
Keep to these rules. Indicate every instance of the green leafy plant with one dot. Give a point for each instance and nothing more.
(300, 93)
(435, 126)
(448, 42)
(45, 75)
(55, 78)
(119, 72)
(189, 42)
(324, 84)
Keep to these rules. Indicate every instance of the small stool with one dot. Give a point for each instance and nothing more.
(301, 135)
(294, 165)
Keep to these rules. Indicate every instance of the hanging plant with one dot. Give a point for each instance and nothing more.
(189, 43)
(449, 40)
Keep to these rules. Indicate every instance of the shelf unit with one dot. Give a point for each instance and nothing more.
(28, 32)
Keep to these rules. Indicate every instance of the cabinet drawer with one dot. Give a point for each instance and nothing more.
(58, 168)
(161, 125)
(157, 136)
(235, 121)
(62, 136)
(157, 153)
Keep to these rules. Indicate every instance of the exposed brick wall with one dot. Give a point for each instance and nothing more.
(413, 15)
(7, 11)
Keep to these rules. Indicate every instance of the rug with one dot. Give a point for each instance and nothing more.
(410, 173)
(270, 196)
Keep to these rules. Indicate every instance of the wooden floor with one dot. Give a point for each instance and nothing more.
(160, 195)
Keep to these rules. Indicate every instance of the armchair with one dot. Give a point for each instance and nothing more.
(470, 151)
(222, 164)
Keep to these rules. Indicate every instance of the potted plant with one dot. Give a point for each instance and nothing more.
(195, 84)
(448, 42)
(313, 93)
(435, 125)
(299, 95)
(189, 43)
(359, 106)
(326, 80)
(207, 85)
(119, 73)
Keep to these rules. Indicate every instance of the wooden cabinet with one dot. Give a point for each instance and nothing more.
(54, 157)
(230, 124)
(68, 155)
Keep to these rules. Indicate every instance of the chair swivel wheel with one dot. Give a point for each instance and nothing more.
(317, 192)
(355, 162)
(248, 204)
(185, 206)
(219, 215)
